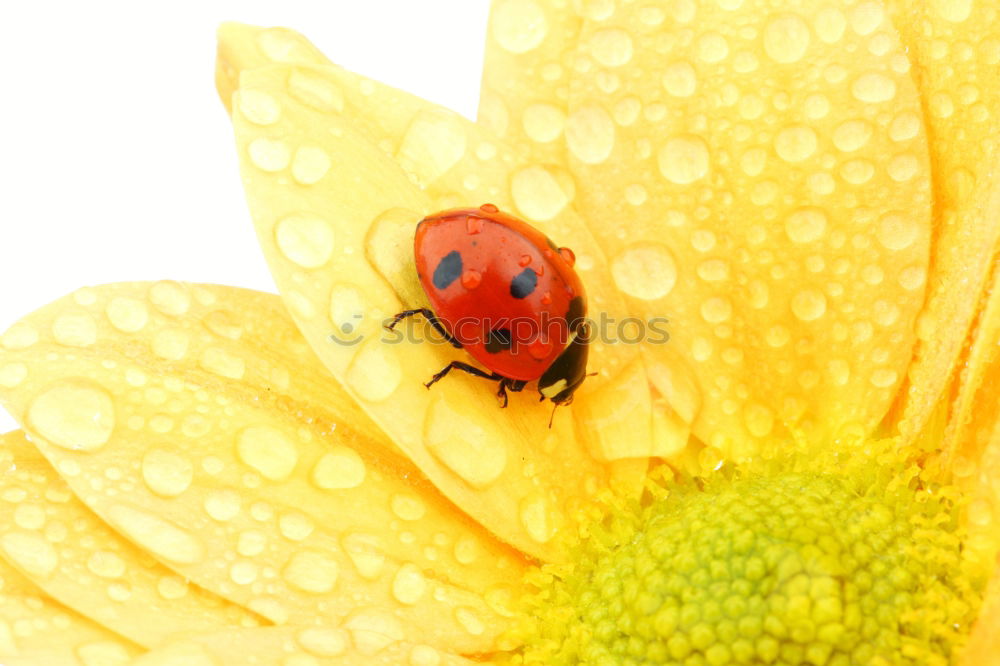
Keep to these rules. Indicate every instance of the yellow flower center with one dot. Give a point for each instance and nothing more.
(817, 569)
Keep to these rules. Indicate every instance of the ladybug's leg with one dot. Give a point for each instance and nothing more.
(471, 369)
(502, 393)
(429, 316)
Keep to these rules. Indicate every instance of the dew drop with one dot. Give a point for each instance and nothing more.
(543, 122)
(409, 584)
(315, 90)
(465, 443)
(873, 88)
(75, 329)
(424, 655)
(897, 232)
(73, 414)
(324, 641)
(716, 310)
(590, 134)
(796, 143)
(29, 516)
(166, 473)
(170, 298)
(712, 47)
(852, 135)
(12, 374)
(375, 373)
(269, 155)
(311, 571)
(19, 336)
(306, 241)
(536, 517)
(809, 304)
(518, 25)
(786, 38)
(106, 564)
(366, 555)
(434, 142)
(171, 344)
(373, 631)
(269, 451)
(222, 505)
(339, 468)
(646, 271)
(469, 620)
(295, 526)
(759, 420)
(611, 47)
(883, 378)
(310, 164)
(127, 314)
(683, 159)
(251, 543)
(805, 225)
(407, 507)
(680, 79)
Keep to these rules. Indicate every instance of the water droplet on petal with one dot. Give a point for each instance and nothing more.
(518, 25)
(31, 552)
(647, 271)
(73, 414)
(590, 134)
(75, 329)
(805, 225)
(464, 443)
(809, 304)
(786, 38)
(269, 451)
(375, 372)
(223, 363)
(166, 473)
(259, 107)
(170, 298)
(305, 240)
(795, 144)
(311, 571)
(409, 584)
(684, 159)
(339, 468)
(324, 641)
(366, 554)
(537, 193)
(536, 517)
(373, 631)
(269, 155)
(310, 164)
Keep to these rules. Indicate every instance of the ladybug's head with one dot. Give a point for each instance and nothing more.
(569, 369)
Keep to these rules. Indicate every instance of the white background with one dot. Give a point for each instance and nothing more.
(116, 156)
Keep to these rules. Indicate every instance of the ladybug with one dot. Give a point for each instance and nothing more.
(506, 294)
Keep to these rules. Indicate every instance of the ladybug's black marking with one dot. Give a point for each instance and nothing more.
(523, 283)
(448, 270)
(574, 315)
(498, 340)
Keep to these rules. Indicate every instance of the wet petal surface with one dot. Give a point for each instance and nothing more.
(212, 439)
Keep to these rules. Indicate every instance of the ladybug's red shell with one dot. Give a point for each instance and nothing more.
(500, 287)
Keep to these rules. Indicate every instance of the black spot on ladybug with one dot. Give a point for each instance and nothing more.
(448, 270)
(574, 315)
(523, 283)
(498, 340)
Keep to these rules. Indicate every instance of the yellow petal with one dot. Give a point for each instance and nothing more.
(210, 437)
(983, 648)
(339, 248)
(955, 46)
(75, 558)
(457, 163)
(359, 642)
(775, 212)
(526, 75)
(36, 630)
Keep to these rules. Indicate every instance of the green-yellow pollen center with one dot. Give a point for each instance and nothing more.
(793, 569)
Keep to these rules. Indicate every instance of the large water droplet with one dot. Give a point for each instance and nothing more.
(852, 135)
(809, 304)
(305, 240)
(31, 552)
(465, 443)
(269, 155)
(269, 451)
(409, 584)
(106, 564)
(75, 329)
(647, 271)
(536, 517)
(74, 414)
(166, 473)
(127, 314)
(680, 79)
(324, 641)
(786, 38)
(170, 298)
(805, 225)
(339, 468)
(543, 122)
(683, 159)
(310, 164)
(518, 25)
(366, 554)
(222, 505)
(311, 571)
(873, 88)
(611, 47)
(375, 373)
(433, 143)
(796, 143)
(257, 106)
(896, 231)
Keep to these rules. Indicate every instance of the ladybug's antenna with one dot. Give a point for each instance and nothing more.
(553, 415)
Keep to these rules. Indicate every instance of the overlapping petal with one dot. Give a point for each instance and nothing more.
(195, 422)
(955, 47)
(75, 558)
(341, 253)
(36, 630)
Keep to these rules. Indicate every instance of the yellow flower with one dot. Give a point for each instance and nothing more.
(806, 472)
